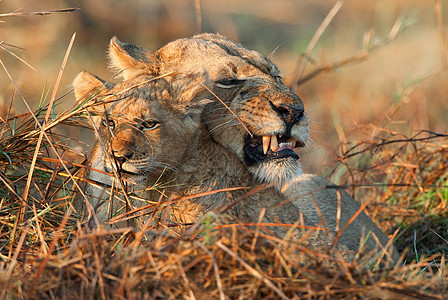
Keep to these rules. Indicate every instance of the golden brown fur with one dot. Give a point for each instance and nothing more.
(141, 123)
(229, 152)
(248, 83)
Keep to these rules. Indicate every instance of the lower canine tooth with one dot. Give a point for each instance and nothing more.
(266, 142)
(274, 143)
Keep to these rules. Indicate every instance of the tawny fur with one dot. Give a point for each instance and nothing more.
(215, 157)
(145, 117)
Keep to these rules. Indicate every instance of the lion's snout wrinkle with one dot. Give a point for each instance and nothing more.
(290, 113)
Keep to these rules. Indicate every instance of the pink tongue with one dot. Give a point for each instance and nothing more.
(284, 147)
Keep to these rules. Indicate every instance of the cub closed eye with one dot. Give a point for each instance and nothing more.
(149, 125)
(228, 83)
(278, 78)
(109, 123)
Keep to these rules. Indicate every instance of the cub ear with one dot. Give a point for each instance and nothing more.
(88, 85)
(131, 60)
(192, 95)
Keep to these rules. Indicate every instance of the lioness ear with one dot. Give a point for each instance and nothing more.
(131, 60)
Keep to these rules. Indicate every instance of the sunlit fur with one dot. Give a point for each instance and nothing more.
(250, 101)
(172, 105)
(277, 172)
(215, 159)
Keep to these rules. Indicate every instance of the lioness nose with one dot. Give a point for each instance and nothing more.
(290, 113)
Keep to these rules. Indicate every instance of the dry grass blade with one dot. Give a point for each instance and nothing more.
(215, 269)
(39, 231)
(252, 271)
(43, 265)
(355, 215)
(226, 208)
(40, 13)
(131, 214)
(197, 7)
(260, 224)
(438, 8)
(327, 20)
(16, 56)
(13, 262)
(58, 80)
(39, 141)
(49, 256)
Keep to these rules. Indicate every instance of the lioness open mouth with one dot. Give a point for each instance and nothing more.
(267, 147)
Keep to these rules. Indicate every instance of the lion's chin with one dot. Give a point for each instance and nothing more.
(277, 171)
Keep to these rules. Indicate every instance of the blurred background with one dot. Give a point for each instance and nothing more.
(393, 77)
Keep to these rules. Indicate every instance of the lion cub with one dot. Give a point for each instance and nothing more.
(144, 126)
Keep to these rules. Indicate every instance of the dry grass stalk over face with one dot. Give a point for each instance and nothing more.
(45, 253)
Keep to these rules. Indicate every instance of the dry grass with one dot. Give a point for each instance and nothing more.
(221, 262)
(46, 254)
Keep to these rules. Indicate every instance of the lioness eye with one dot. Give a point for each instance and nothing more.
(148, 125)
(109, 123)
(228, 83)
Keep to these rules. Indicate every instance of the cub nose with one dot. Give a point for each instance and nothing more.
(122, 150)
(123, 145)
(291, 114)
(123, 155)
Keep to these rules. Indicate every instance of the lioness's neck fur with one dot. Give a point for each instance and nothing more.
(219, 169)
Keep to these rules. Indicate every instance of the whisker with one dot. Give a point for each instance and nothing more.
(224, 124)
(314, 121)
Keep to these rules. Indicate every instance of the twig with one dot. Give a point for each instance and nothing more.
(413, 139)
(362, 55)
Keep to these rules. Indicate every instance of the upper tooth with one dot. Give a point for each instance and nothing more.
(274, 143)
(266, 141)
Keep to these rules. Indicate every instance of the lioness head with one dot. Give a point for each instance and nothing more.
(254, 115)
(144, 123)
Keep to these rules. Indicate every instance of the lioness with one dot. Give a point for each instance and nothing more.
(247, 140)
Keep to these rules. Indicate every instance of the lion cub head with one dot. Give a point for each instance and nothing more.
(144, 123)
(253, 115)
